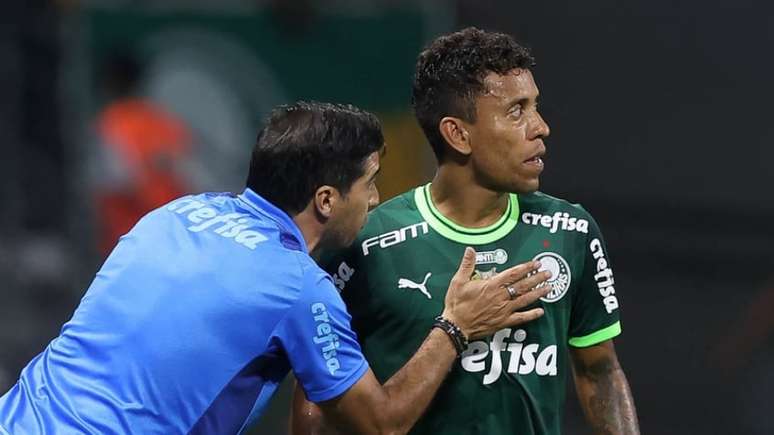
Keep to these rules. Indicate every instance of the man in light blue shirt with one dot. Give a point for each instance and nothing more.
(205, 305)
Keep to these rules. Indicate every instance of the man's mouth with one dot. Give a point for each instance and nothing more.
(536, 161)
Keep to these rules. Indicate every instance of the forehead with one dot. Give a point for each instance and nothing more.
(515, 84)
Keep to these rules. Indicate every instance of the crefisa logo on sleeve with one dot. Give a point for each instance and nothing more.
(604, 277)
(325, 337)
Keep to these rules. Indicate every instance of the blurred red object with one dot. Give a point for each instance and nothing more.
(141, 146)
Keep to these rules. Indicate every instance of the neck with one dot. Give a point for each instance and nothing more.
(458, 196)
(312, 231)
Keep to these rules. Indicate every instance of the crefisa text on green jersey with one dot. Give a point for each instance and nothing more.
(523, 359)
(558, 221)
(604, 277)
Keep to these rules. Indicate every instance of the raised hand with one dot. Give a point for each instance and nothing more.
(482, 307)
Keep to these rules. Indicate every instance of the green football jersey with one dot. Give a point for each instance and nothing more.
(395, 276)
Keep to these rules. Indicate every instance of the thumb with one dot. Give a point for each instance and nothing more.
(467, 265)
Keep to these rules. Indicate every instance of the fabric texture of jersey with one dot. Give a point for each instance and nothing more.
(189, 326)
(394, 279)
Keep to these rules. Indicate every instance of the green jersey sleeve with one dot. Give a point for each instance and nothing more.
(340, 264)
(594, 316)
(347, 269)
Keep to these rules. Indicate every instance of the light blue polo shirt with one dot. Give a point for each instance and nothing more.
(190, 325)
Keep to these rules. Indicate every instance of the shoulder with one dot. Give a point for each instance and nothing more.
(539, 201)
(221, 217)
(232, 237)
(311, 271)
(391, 223)
(540, 209)
(388, 222)
(317, 285)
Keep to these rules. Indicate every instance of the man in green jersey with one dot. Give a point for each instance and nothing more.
(476, 100)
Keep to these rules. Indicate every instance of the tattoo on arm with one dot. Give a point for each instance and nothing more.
(605, 396)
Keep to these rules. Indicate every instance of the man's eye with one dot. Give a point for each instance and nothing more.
(515, 111)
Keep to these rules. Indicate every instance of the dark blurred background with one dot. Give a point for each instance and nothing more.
(660, 115)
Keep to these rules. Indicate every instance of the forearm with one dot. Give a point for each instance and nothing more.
(410, 390)
(392, 408)
(478, 308)
(606, 399)
(306, 418)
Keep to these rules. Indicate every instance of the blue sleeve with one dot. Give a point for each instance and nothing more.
(319, 342)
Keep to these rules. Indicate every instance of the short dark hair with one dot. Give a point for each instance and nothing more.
(450, 74)
(307, 145)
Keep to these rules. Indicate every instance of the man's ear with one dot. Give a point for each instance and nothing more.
(325, 198)
(456, 134)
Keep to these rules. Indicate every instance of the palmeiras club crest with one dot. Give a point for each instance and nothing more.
(560, 275)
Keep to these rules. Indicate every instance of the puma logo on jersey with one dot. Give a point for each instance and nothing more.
(407, 283)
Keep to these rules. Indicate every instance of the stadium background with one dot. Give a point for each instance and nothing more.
(660, 114)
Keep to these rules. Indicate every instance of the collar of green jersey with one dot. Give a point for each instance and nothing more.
(469, 236)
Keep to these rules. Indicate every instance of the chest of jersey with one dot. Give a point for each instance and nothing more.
(513, 381)
(408, 278)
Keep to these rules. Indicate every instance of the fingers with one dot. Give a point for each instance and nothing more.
(529, 297)
(521, 317)
(515, 273)
(532, 281)
(467, 265)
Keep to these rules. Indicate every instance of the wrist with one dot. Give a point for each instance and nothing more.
(449, 315)
(458, 338)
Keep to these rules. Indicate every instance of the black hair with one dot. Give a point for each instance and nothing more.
(450, 74)
(307, 145)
